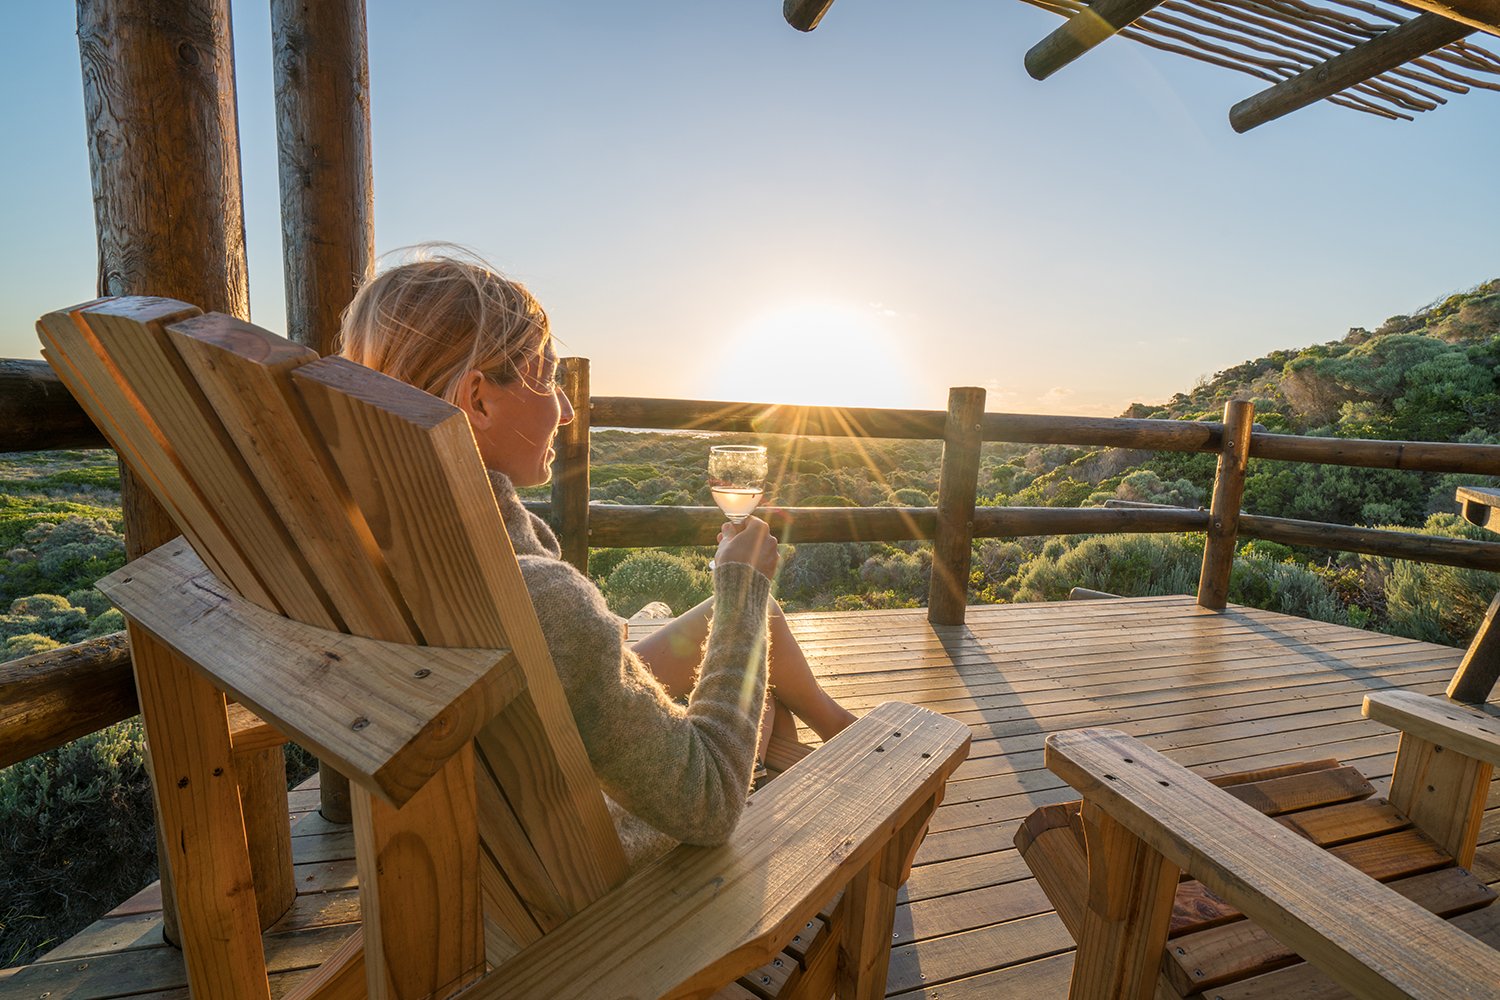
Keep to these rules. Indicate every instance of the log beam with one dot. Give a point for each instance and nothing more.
(804, 15)
(1406, 41)
(1082, 32)
(37, 413)
(50, 698)
(570, 470)
(1483, 15)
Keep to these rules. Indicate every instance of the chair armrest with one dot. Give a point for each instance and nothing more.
(1471, 731)
(1364, 935)
(389, 715)
(701, 916)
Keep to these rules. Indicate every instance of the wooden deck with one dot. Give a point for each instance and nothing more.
(1216, 691)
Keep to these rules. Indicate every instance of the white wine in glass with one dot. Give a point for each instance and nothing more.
(737, 478)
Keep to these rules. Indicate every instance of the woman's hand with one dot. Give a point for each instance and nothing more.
(749, 542)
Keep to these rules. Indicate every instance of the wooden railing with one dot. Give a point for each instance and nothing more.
(55, 696)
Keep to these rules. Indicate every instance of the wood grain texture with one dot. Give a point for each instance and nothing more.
(1359, 932)
(1471, 731)
(1391, 48)
(570, 471)
(49, 698)
(952, 542)
(1128, 905)
(801, 837)
(1466, 552)
(37, 413)
(134, 344)
(1480, 669)
(1481, 14)
(202, 827)
(1443, 791)
(1421, 456)
(1084, 30)
(318, 48)
(261, 777)
(869, 906)
(390, 713)
(1224, 514)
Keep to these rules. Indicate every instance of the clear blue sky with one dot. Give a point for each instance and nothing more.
(711, 204)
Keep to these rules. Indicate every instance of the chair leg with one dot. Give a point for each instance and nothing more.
(1477, 674)
(261, 774)
(869, 905)
(1443, 793)
(187, 729)
(1124, 925)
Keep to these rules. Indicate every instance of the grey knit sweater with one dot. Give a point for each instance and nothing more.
(669, 771)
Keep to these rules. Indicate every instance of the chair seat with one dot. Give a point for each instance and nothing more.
(1213, 952)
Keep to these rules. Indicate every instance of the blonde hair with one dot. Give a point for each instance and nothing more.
(437, 317)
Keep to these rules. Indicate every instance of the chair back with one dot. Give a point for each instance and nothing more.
(334, 496)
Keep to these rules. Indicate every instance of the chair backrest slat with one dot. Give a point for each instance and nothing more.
(75, 354)
(145, 359)
(245, 373)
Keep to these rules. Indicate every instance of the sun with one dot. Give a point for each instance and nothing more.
(820, 353)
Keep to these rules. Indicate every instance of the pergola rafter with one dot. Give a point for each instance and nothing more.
(1372, 57)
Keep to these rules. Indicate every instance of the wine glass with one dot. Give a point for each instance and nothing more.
(737, 478)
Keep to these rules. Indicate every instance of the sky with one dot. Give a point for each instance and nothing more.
(713, 205)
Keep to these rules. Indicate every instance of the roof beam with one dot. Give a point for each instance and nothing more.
(1387, 50)
(1081, 32)
(804, 15)
(1483, 15)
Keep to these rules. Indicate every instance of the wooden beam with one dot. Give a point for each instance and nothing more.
(804, 15)
(1082, 32)
(38, 413)
(50, 698)
(1481, 14)
(1392, 48)
(323, 147)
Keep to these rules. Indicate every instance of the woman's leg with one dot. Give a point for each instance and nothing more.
(674, 651)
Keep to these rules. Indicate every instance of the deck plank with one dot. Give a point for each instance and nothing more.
(1221, 691)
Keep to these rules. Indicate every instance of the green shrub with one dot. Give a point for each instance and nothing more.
(644, 577)
(76, 837)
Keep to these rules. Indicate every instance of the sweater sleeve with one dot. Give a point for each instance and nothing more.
(685, 771)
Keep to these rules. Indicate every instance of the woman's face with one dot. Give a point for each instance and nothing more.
(514, 422)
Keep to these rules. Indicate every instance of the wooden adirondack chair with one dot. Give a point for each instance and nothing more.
(1309, 880)
(344, 574)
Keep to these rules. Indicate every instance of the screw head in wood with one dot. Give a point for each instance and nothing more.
(359, 723)
(422, 674)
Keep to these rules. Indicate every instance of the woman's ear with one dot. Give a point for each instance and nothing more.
(471, 398)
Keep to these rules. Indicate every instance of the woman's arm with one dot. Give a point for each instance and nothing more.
(684, 771)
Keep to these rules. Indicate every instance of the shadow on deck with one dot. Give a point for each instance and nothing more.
(1217, 691)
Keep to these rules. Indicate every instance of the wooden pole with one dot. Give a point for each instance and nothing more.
(323, 147)
(953, 543)
(327, 195)
(1081, 32)
(570, 470)
(163, 138)
(804, 15)
(1481, 14)
(1224, 513)
(1391, 48)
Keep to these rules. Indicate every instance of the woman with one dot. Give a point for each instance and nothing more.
(453, 327)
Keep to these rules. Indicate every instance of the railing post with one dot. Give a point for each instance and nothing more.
(570, 468)
(1224, 513)
(952, 545)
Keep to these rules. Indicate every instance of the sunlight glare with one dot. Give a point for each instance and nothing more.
(819, 353)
